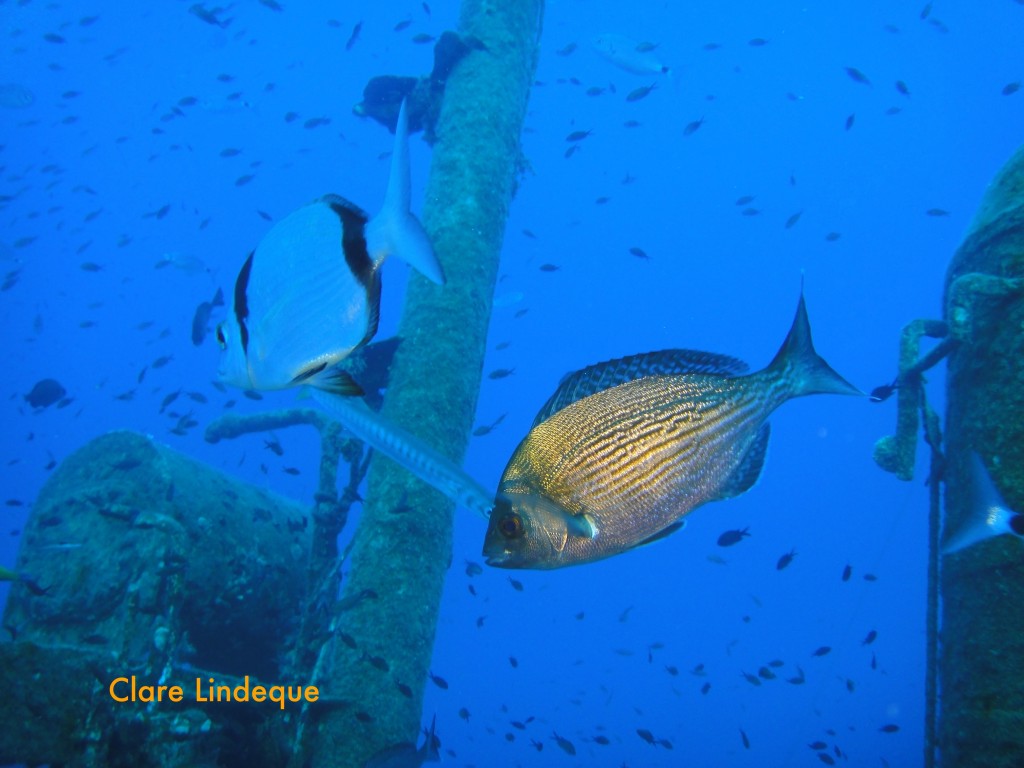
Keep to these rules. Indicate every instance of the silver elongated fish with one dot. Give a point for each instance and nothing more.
(309, 294)
(406, 449)
(624, 450)
(989, 515)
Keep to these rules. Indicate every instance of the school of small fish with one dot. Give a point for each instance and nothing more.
(299, 290)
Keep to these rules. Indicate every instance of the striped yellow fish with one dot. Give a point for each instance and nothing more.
(624, 450)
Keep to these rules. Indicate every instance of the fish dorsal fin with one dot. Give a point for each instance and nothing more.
(746, 474)
(394, 230)
(601, 376)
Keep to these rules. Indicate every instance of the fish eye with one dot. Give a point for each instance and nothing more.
(511, 526)
(220, 336)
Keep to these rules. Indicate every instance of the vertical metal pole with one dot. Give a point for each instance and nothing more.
(402, 548)
(981, 664)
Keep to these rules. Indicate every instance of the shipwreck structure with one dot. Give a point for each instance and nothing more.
(975, 686)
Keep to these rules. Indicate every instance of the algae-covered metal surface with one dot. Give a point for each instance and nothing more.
(147, 564)
(130, 538)
(403, 545)
(982, 636)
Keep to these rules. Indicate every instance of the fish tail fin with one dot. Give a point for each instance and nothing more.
(394, 230)
(801, 367)
(988, 516)
(432, 745)
(406, 449)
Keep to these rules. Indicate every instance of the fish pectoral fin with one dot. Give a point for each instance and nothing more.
(745, 476)
(334, 380)
(663, 533)
(583, 525)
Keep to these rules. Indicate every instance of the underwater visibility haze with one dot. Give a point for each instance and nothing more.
(197, 201)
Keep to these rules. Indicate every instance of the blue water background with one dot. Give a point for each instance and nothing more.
(101, 147)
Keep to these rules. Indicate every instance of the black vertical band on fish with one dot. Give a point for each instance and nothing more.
(625, 449)
(242, 301)
(357, 257)
(353, 238)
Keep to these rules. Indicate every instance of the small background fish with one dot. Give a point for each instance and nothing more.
(632, 56)
(131, 142)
